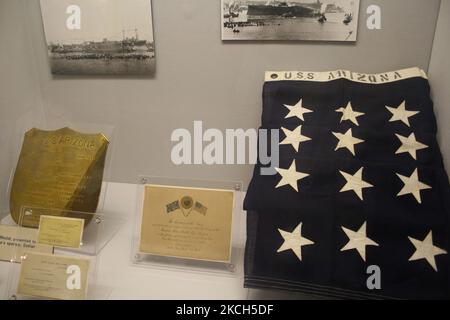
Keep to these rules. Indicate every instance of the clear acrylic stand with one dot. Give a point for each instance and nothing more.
(103, 225)
(41, 121)
(99, 229)
(232, 268)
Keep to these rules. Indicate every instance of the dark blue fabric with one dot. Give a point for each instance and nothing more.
(323, 210)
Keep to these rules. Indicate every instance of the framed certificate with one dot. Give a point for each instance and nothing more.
(186, 224)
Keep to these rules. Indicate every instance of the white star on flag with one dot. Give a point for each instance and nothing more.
(401, 114)
(355, 183)
(410, 145)
(358, 240)
(294, 241)
(412, 185)
(294, 137)
(349, 114)
(297, 110)
(347, 141)
(426, 250)
(290, 176)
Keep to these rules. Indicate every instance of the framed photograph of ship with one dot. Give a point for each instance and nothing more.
(99, 37)
(309, 20)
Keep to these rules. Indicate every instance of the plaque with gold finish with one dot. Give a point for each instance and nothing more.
(61, 170)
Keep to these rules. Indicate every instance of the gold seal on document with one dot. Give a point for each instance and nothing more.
(60, 170)
(187, 202)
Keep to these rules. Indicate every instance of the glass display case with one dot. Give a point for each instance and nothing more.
(170, 138)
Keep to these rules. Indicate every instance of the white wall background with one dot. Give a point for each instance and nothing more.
(440, 79)
(19, 82)
(198, 77)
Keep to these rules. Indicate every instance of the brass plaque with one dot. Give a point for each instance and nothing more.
(61, 170)
(187, 223)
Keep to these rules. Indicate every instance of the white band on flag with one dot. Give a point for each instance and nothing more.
(326, 76)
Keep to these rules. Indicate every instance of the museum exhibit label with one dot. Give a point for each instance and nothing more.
(53, 277)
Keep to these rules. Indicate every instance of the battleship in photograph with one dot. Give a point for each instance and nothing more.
(312, 20)
(115, 37)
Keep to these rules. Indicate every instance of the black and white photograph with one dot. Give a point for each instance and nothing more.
(99, 37)
(310, 20)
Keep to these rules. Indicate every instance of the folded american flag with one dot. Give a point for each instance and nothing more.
(360, 191)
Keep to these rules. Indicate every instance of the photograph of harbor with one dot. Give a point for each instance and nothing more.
(310, 20)
(114, 37)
